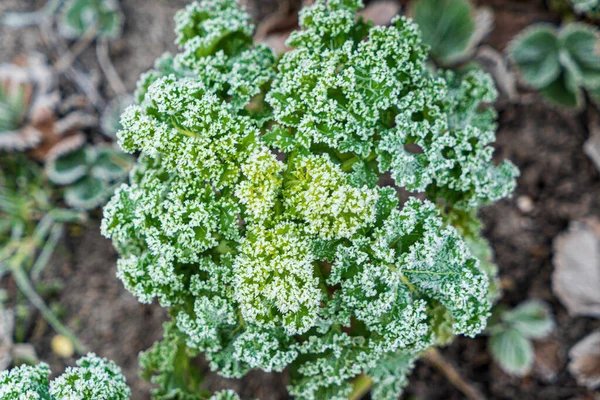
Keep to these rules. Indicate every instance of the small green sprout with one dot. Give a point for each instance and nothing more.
(90, 174)
(559, 63)
(77, 17)
(510, 335)
(94, 378)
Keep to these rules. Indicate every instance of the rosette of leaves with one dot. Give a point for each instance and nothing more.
(559, 63)
(77, 17)
(452, 28)
(511, 332)
(93, 378)
(257, 214)
(89, 173)
(29, 119)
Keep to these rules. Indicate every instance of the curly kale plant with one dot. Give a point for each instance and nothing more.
(264, 209)
(559, 63)
(94, 378)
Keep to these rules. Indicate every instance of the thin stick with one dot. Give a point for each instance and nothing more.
(436, 360)
(71, 72)
(71, 54)
(27, 289)
(112, 76)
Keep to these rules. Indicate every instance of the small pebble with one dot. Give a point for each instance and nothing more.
(525, 204)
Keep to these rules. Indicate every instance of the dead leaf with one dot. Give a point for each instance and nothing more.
(576, 276)
(548, 361)
(380, 12)
(585, 361)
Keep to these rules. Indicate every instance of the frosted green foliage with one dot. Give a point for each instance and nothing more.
(447, 26)
(225, 395)
(511, 334)
(258, 193)
(275, 283)
(320, 193)
(258, 214)
(25, 383)
(169, 365)
(590, 8)
(472, 179)
(162, 222)
(78, 16)
(434, 260)
(89, 173)
(560, 63)
(372, 92)
(390, 375)
(338, 89)
(332, 360)
(215, 37)
(94, 378)
(193, 131)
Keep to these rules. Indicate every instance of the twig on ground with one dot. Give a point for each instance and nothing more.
(112, 76)
(436, 360)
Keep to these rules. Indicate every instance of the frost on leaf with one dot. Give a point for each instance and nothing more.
(274, 278)
(262, 213)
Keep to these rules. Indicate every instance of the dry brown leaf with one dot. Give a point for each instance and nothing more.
(585, 361)
(576, 276)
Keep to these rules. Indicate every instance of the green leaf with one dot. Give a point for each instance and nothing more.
(87, 193)
(78, 16)
(446, 26)
(535, 51)
(532, 319)
(110, 163)
(67, 168)
(561, 93)
(582, 42)
(513, 352)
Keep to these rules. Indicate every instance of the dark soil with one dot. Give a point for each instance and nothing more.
(556, 175)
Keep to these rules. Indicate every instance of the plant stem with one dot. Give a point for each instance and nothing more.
(65, 61)
(26, 287)
(362, 385)
(434, 358)
(47, 251)
(112, 76)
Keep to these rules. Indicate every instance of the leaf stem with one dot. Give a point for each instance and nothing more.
(434, 358)
(26, 287)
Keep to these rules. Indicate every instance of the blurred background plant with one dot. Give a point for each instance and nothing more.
(56, 165)
(560, 63)
(511, 332)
